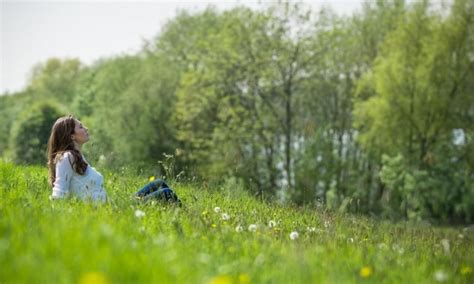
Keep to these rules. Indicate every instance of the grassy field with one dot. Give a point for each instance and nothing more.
(221, 235)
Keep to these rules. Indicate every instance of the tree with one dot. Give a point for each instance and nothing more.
(420, 84)
(55, 79)
(30, 133)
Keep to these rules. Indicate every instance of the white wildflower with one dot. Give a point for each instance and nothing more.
(311, 229)
(294, 235)
(225, 216)
(350, 240)
(445, 244)
(271, 223)
(440, 276)
(106, 230)
(139, 213)
(327, 224)
(217, 209)
(204, 258)
(252, 228)
(239, 229)
(398, 248)
(382, 246)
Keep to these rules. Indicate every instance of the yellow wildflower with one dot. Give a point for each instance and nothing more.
(365, 271)
(152, 178)
(221, 279)
(93, 278)
(465, 270)
(244, 279)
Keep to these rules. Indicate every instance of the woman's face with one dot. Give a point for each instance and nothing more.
(80, 135)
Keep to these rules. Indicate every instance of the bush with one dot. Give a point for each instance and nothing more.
(442, 192)
(30, 133)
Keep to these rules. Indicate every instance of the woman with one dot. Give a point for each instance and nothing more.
(70, 174)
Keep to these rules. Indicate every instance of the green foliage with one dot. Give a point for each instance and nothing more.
(7, 106)
(413, 100)
(404, 190)
(56, 78)
(418, 83)
(237, 99)
(442, 193)
(30, 133)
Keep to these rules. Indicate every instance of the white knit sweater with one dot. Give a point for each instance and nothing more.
(68, 183)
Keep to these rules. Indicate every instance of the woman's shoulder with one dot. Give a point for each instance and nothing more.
(65, 156)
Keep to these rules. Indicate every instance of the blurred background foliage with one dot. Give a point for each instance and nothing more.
(369, 113)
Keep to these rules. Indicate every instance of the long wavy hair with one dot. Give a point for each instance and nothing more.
(60, 141)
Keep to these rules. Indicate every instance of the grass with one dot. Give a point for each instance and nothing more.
(74, 242)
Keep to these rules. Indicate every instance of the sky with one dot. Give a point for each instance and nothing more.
(33, 31)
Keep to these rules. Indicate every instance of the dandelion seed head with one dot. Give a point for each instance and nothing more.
(217, 209)
(446, 246)
(252, 228)
(225, 216)
(440, 276)
(139, 213)
(271, 223)
(294, 235)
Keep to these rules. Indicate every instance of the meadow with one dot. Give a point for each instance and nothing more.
(220, 235)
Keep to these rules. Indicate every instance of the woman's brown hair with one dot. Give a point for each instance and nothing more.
(60, 141)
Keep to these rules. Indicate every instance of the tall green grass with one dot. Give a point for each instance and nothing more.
(43, 241)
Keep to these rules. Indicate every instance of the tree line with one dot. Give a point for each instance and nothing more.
(368, 113)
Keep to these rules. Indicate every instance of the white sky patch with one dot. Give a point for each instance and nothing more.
(33, 31)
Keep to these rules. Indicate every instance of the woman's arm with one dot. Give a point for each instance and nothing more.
(64, 173)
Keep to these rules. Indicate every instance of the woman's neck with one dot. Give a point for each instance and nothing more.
(78, 147)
